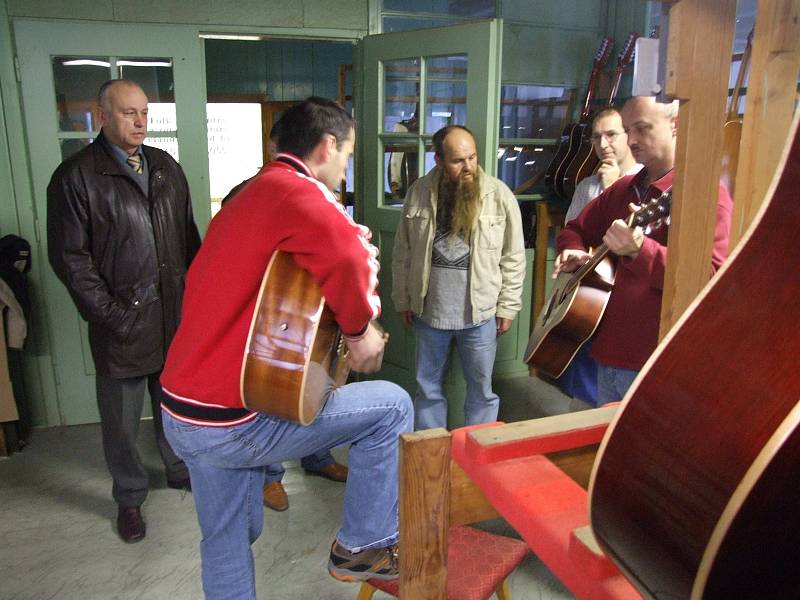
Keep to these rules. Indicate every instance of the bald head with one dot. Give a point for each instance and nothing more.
(122, 111)
(455, 152)
(652, 129)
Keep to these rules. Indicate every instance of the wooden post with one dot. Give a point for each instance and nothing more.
(424, 514)
(769, 106)
(697, 73)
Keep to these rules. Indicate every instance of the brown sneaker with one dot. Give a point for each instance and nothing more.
(275, 496)
(374, 563)
(333, 471)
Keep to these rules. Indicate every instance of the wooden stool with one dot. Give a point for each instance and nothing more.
(478, 564)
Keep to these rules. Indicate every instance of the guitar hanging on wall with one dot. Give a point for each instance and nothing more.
(585, 161)
(570, 136)
(578, 301)
(732, 131)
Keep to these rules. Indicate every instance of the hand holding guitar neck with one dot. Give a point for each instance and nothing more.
(366, 352)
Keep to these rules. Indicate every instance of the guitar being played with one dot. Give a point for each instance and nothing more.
(628, 331)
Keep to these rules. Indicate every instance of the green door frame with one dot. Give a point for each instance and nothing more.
(36, 42)
(482, 43)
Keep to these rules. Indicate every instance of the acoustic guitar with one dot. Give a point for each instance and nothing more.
(732, 131)
(295, 355)
(578, 301)
(570, 135)
(694, 492)
(585, 161)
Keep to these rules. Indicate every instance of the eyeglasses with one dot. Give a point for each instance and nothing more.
(609, 135)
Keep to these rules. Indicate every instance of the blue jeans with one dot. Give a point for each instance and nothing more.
(476, 348)
(613, 383)
(226, 465)
(312, 462)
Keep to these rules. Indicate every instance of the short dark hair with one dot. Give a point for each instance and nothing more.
(303, 125)
(606, 111)
(439, 137)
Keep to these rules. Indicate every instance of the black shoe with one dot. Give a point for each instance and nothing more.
(180, 484)
(130, 524)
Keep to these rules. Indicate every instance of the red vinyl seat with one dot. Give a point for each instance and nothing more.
(478, 564)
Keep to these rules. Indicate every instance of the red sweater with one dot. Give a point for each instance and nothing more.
(282, 208)
(628, 331)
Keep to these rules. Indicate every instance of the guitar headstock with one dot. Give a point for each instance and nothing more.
(655, 209)
(603, 53)
(625, 55)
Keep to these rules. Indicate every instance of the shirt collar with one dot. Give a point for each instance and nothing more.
(660, 185)
(294, 161)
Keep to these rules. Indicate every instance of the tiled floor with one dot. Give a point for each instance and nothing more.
(58, 539)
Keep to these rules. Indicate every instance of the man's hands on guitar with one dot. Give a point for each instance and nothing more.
(622, 240)
(569, 261)
(366, 352)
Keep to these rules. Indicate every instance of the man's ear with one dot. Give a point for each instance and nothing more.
(437, 160)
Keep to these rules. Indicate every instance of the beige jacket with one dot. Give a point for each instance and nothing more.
(497, 251)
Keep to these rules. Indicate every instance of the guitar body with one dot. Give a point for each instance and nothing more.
(576, 134)
(294, 356)
(569, 319)
(558, 158)
(583, 164)
(694, 492)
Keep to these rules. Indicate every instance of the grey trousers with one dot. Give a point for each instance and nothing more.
(120, 402)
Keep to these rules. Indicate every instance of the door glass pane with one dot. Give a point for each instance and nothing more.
(401, 93)
(401, 160)
(446, 92)
(154, 75)
(520, 166)
(76, 80)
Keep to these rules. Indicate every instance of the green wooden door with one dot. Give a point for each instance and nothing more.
(413, 83)
(61, 67)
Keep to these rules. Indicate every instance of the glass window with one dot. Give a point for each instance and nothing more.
(473, 8)
(531, 120)
(401, 169)
(154, 75)
(77, 79)
(446, 92)
(401, 94)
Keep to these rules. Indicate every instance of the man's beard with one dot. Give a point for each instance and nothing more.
(459, 202)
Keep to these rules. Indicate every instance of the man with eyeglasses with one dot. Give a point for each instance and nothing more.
(610, 143)
(628, 332)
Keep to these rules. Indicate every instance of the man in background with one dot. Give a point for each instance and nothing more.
(610, 144)
(457, 270)
(628, 331)
(120, 237)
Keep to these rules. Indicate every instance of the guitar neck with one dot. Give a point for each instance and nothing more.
(589, 95)
(615, 84)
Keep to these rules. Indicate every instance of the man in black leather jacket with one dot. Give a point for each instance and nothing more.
(121, 236)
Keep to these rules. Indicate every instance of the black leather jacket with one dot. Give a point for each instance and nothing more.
(122, 255)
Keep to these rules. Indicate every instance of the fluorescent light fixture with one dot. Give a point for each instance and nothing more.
(143, 63)
(500, 153)
(517, 148)
(530, 162)
(84, 62)
(540, 149)
(445, 114)
(230, 36)
(512, 158)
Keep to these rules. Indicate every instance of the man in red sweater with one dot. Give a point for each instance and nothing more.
(290, 207)
(628, 331)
